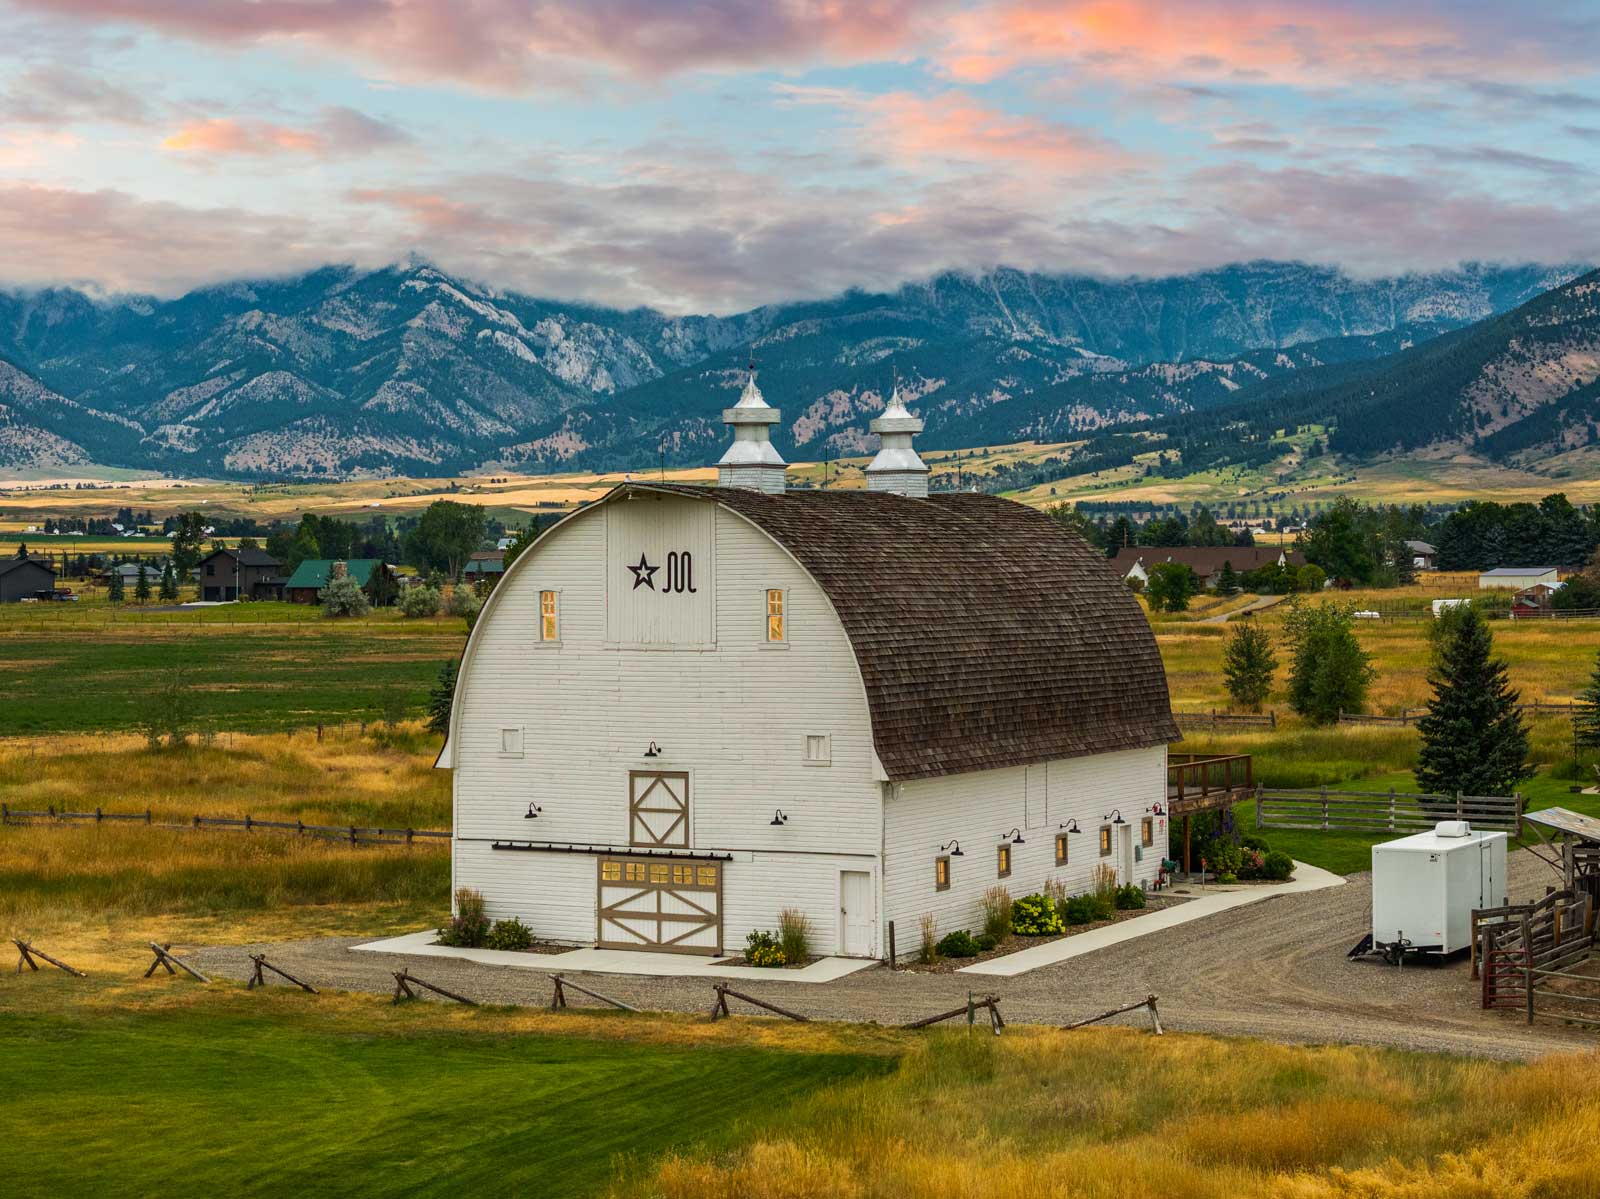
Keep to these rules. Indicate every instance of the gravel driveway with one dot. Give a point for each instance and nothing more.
(1274, 969)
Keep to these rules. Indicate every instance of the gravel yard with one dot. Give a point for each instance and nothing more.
(1275, 969)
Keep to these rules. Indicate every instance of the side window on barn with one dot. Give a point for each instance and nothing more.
(1061, 849)
(1105, 840)
(1004, 862)
(510, 743)
(941, 874)
(549, 624)
(777, 624)
(819, 749)
(1147, 832)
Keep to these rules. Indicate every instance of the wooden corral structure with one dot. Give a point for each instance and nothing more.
(1204, 783)
(1539, 958)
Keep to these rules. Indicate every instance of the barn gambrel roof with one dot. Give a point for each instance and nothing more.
(987, 635)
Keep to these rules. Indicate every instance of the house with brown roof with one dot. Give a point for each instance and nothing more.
(227, 575)
(685, 709)
(1135, 561)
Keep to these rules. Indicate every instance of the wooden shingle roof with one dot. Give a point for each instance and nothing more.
(987, 635)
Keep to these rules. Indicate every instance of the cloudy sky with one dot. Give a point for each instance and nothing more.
(710, 155)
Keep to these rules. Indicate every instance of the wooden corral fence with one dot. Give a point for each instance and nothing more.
(1537, 957)
(1218, 722)
(1383, 811)
(1410, 716)
(352, 834)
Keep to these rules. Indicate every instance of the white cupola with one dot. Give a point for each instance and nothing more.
(752, 461)
(897, 467)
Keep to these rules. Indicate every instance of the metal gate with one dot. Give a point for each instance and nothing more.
(665, 906)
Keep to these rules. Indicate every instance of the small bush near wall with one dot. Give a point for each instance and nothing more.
(761, 949)
(959, 944)
(997, 913)
(1278, 866)
(509, 934)
(1077, 909)
(1129, 898)
(929, 952)
(1035, 916)
(469, 927)
(794, 935)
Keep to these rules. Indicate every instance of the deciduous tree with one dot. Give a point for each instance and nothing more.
(1329, 672)
(1248, 665)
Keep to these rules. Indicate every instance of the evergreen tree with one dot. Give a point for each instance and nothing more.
(169, 583)
(441, 697)
(114, 588)
(1249, 664)
(1586, 712)
(141, 588)
(1473, 738)
(1227, 580)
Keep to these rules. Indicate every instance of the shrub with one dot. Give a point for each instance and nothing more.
(1252, 863)
(509, 934)
(343, 597)
(794, 935)
(758, 940)
(1278, 866)
(1129, 898)
(1035, 916)
(1079, 909)
(1224, 859)
(997, 918)
(462, 602)
(765, 955)
(469, 927)
(929, 953)
(959, 944)
(420, 601)
(984, 942)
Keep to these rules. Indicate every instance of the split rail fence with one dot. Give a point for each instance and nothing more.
(1537, 957)
(1216, 722)
(352, 834)
(1410, 716)
(1383, 811)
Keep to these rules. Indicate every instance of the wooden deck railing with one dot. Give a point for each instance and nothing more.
(1197, 781)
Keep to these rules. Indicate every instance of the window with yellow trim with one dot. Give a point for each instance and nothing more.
(1105, 840)
(941, 874)
(1147, 832)
(1061, 849)
(775, 614)
(1004, 861)
(708, 876)
(548, 625)
(611, 871)
(683, 875)
(660, 874)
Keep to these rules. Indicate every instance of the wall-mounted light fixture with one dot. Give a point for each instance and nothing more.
(779, 817)
(533, 812)
(654, 751)
(1155, 808)
(1117, 812)
(951, 847)
(1014, 836)
(1070, 826)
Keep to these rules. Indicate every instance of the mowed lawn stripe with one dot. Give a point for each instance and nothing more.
(261, 1105)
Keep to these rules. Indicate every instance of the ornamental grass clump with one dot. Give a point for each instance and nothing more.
(794, 935)
(928, 953)
(1103, 891)
(997, 914)
(469, 927)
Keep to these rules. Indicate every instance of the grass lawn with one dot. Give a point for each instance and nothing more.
(313, 1095)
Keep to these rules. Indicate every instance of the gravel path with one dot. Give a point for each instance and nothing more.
(1274, 969)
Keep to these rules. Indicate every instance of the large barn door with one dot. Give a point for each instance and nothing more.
(665, 907)
(658, 809)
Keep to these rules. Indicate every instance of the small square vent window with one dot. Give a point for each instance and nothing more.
(511, 742)
(819, 749)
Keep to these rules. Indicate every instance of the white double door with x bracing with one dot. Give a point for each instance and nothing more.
(652, 901)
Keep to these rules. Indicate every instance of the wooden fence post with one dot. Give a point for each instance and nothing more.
(1391, 809)
(894, 963)
(1458, 805)
(1258, 805)
(1324, 807)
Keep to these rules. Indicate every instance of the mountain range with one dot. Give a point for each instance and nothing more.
(409, 370)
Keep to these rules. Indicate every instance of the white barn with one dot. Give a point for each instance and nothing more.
(686, 708)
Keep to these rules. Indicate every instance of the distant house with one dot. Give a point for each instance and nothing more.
(129, 573)
(1135, 561)
(484, 564)
(1517, 578)
(23, 578)
(1534, 601)
(1422, 554)
(228, 575)
(312, 575)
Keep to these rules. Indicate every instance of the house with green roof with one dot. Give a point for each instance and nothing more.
(312, 575)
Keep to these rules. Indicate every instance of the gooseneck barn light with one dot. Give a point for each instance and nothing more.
(779, 817)
(1117, 812)
(1070, 826)
(952, 847)
(533, 812)
(1014, 836)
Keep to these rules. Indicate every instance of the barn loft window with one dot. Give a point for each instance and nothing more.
(941, 874)
(775, 626)
(611, 871)
(819, 749)
(1105, 840)
(1004, 861)
(548, 625)
(1147, 832)
(1061, 849)
(511, 743)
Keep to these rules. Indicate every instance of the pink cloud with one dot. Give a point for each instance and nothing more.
(518, 43)
(337, 131)
(956, 126)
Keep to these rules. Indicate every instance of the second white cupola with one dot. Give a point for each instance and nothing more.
(897, 467)
(752, 461)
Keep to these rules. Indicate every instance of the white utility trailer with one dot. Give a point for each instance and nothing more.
(1425, 887)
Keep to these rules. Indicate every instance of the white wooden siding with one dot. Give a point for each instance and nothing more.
(733, 716)
(977, 808)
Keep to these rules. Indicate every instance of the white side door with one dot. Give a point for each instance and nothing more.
(1124, 854)
(857, 917)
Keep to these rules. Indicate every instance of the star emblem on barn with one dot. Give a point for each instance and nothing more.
(644, 575)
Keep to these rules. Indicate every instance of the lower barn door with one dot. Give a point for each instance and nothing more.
(660, 906)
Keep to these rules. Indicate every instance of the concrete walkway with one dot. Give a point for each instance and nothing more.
(617, 961)
(1306, 878)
